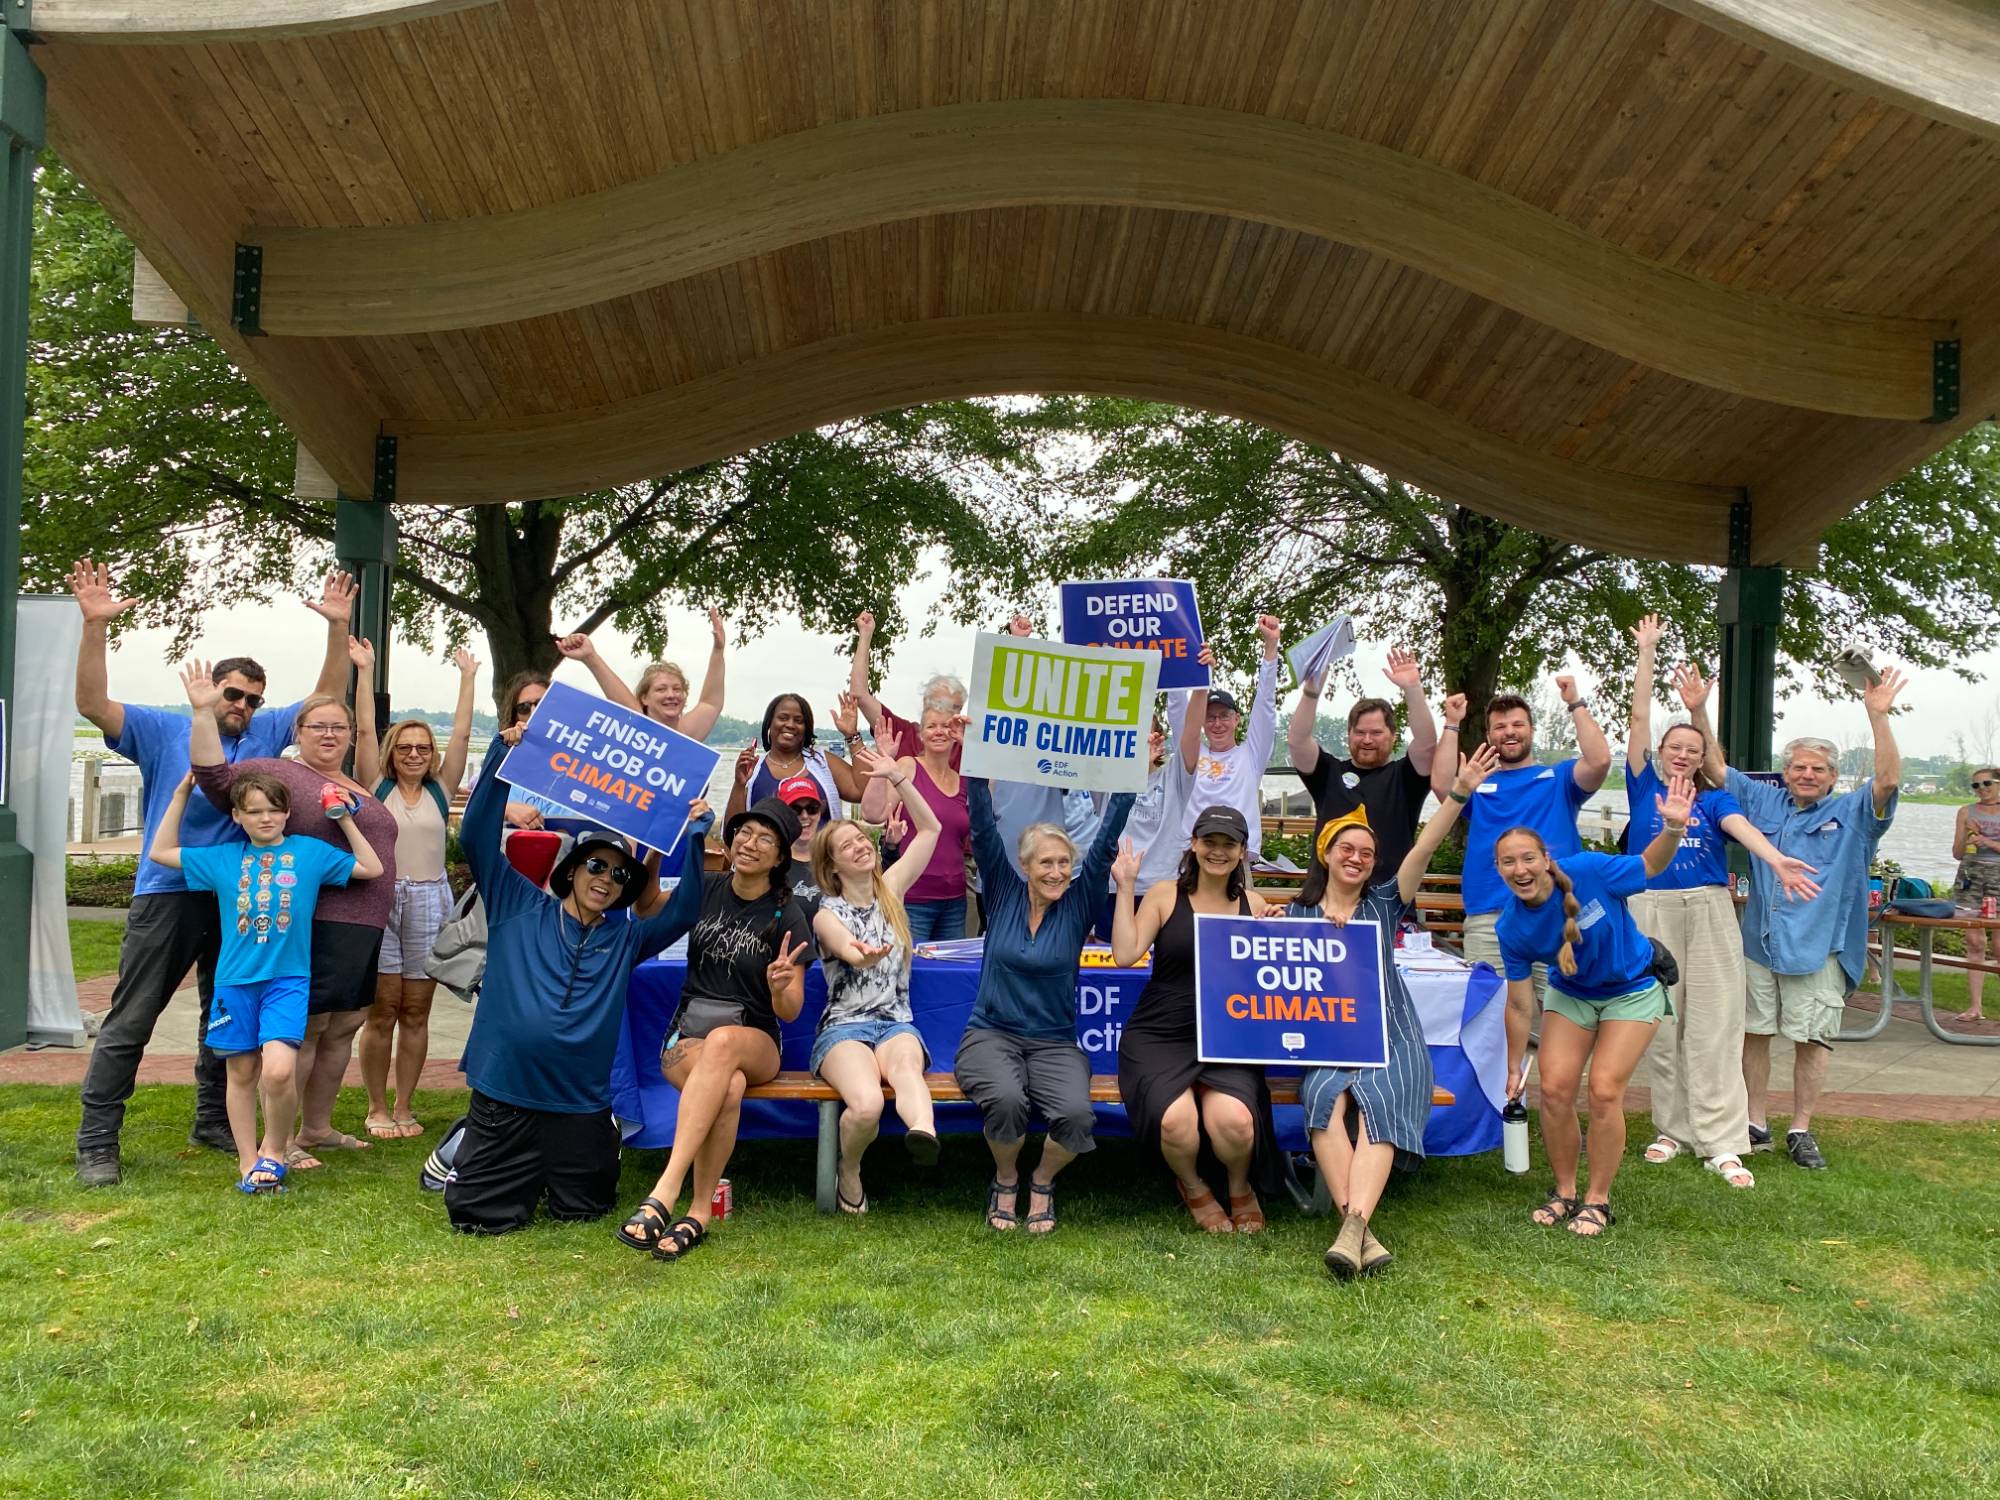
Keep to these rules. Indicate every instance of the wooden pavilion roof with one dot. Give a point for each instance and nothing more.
(1600, 267)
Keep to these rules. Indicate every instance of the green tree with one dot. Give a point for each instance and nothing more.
(148, 449)
(1260, 521)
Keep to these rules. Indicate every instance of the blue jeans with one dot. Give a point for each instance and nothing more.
(935, 921)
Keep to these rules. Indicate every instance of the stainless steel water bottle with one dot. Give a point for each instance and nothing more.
(1514, 1135)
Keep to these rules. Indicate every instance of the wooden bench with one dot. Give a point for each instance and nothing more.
(944, 1089)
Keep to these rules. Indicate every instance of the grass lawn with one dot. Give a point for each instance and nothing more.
(93, 946)
(1829, 1334)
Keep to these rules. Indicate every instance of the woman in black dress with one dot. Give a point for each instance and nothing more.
(1211, 1121)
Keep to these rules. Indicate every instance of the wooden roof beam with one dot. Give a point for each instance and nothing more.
(1937, 58)
(714, 212)
(152, 22)
(729, 412)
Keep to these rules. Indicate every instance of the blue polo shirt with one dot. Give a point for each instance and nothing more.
(157, 741)
(1613, 957)
(1703, 857)
(1544, 798)
(1838, 836)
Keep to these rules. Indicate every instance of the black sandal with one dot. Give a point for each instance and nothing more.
(1562, 1209)
(922, 1146)
(678, 1238)
(851, 1205)
(1002, 1209)
(650, 1226)
(1046, 1216)
(1599, 1214)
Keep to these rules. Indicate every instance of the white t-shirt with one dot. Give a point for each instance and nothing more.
(1156, 816)
(1235, 777)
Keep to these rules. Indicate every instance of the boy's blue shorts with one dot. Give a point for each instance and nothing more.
(245, 1016)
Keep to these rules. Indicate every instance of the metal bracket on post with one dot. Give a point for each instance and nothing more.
(21, 19)
(246, 294)
(1944, 380)
(385, 470)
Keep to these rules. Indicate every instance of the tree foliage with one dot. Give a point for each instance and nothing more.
(1260, 521)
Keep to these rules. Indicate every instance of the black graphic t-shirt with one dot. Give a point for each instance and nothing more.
(734, 942)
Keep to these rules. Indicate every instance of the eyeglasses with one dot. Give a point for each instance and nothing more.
(328, 730)
(1978, 785)
(756, 837)
(621, 874)
(811, 809)
(424, 750)
(251, 701)
(524, 707)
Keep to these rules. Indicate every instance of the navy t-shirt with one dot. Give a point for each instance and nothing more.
(1544, 798)
(1613, 957)
(1703, 857)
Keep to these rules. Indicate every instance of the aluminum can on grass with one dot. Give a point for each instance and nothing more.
(723, 1204)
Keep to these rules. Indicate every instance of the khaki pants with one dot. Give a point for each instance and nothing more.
(1696, 1059)
(1481, 945)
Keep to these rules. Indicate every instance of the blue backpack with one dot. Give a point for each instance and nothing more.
(1911, 897)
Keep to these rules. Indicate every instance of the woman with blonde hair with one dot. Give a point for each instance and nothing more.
(662, 690)
(866, 1035)
(416, 784)
(1604, 1001)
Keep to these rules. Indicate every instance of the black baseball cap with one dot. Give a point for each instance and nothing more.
(1221, 702)
(1223, 820)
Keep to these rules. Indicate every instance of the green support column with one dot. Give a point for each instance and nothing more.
(22, 110)
(364, 543)
(1752, 606)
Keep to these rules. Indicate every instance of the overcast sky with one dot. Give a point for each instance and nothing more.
(288, 639)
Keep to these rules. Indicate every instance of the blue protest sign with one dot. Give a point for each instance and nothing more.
(1290, 992)
(595, 760)
(1139, 614)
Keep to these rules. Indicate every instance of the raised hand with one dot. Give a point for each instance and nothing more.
(1206, 656)
(896, 827)
(1678, 803)
(1692, 687)
(783, 974)
(864, 624)
(577, 647)
(466, 662)
(203, 692)
(1566, 686)
(511, 735)
(1455, 706)
(1648, 631)
(1020, 625)
(959, 724)
(1473, 769)
(847, 715)
(100, 603)
(873, 762)
(700, 808)
(1270, 628)
(1881, 698)
(1795, 876)
(1402, 669)
(867, 955)
(336, 599)
(746, 762)
(362, 654)
(718, 628)
(1125, 868)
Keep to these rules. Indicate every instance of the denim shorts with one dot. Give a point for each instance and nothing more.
(868, 1033)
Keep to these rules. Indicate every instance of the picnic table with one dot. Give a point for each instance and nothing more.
(1927, 929)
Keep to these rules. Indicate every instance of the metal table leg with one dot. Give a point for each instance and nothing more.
(1890, 994)
(1924, 1000)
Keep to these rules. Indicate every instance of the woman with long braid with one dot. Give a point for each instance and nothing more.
(1605, 997)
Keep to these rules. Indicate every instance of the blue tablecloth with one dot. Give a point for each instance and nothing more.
(1462, 1010)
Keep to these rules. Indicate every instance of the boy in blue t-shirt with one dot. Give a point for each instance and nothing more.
(267, 889)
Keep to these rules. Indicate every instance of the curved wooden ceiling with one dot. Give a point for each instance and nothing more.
(1596, 266)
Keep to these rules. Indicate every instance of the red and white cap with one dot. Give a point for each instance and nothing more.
(795, 789)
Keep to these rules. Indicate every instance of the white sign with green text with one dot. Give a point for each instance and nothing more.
(1075, 717)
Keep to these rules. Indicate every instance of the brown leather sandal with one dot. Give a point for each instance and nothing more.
(1207, 1212)
(1247, 1212)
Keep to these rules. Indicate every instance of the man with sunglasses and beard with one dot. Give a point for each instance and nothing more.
(171, 929)
(539, 1126)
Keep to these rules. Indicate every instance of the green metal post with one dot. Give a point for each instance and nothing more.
(1752, 606)
(23, 107)
(364, 542)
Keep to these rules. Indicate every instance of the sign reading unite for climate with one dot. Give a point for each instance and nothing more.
(1289, 991)
(1076, 717)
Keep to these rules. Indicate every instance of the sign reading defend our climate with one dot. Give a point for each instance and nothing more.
(1290, 992)
(1075, 717)
(596, 760)
(1139, 614)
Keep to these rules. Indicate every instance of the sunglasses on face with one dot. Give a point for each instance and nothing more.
(413, 749)
(1979, 785)
(811, 809)
(525, 707)
(621, 873)
(251, 701)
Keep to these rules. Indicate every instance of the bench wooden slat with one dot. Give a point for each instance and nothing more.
(944, 1088)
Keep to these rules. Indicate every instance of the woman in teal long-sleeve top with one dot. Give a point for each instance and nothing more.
(1019, 1053)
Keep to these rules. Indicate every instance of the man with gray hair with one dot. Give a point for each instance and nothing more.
(1804, 958)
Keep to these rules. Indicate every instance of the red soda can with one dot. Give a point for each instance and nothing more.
(723, 1204)
(1988, 909)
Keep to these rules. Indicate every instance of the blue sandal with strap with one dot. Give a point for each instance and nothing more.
(270, 1168)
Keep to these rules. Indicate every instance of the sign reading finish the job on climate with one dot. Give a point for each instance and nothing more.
(615, 767)
(1139, 614)
(1290, 992)
(1075, 717)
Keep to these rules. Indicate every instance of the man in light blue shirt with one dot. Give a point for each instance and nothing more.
(1803, 958)
(171, 929)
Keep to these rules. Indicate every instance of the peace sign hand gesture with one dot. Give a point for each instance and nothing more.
(786, 975)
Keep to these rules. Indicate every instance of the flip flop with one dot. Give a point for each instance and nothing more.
(301, 1160)
(273, 1169)
(406, 1129)
(383, 1130)
(338, 1142)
